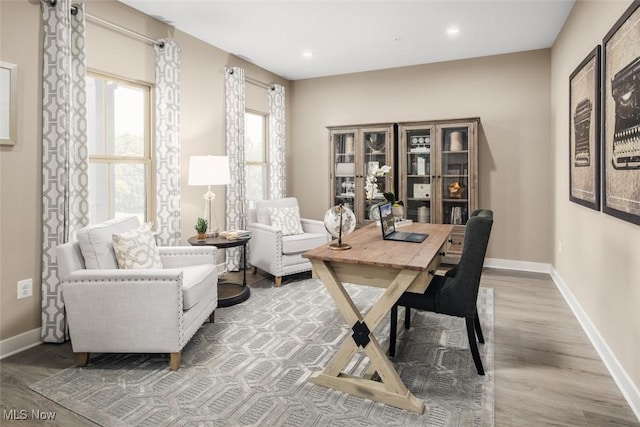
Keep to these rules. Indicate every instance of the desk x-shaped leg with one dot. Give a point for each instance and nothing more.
(390, 390)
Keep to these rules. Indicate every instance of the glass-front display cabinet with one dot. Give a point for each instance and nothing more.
(439, 174)
(358, 152)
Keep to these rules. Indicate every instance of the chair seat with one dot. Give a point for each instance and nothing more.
(427, 300)
(196, 280)
(299, 243)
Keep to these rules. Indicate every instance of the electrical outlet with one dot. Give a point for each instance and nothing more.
(25, 288)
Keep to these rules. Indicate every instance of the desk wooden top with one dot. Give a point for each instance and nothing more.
(368, 248)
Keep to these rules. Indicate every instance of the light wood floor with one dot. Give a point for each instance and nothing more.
(546, 371)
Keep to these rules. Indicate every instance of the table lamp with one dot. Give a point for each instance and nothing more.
(209, 170)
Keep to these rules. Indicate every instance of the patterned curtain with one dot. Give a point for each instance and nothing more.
(234, 92)
(277, 148)
(167, 143)
(65, 183)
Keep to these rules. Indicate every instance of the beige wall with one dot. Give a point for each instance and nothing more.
(202, 130)
(510, 93)
(600, 256)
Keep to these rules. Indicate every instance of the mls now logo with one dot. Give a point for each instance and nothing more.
(23, 414)
(15, 414)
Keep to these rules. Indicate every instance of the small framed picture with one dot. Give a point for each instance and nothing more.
(422, 191)
(621, 117)
(584, 132)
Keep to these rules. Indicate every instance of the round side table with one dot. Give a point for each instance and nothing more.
(229, 293)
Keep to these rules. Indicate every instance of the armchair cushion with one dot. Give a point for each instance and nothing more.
(299, 243)
(196, 281)
(137, 248)
(96, 242)
(286, 219)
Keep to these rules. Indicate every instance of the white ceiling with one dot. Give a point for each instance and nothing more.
(361, 35)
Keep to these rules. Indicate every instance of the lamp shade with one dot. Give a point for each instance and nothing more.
(209, 170)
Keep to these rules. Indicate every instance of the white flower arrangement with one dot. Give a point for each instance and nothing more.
(371, 182)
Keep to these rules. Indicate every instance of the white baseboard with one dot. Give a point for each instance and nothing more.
(625, 384)
(506, 264)
(19, 343)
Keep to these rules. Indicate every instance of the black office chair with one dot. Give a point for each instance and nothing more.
(455, 293)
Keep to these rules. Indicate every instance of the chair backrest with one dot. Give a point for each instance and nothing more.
(459, 294)
(261, 212)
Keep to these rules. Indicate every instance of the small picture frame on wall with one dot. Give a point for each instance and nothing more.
(621, 117)
(584, 132)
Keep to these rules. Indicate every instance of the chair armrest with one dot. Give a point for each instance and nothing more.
(314, 226)
(183, 256)
(265, 247)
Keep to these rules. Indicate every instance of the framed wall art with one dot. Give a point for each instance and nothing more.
(584, 132)
(8, 103)
(621, 117)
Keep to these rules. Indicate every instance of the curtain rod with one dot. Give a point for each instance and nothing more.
(259, 83)
(74, 10)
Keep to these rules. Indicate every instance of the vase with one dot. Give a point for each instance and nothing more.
(397, 211)
(202, 236)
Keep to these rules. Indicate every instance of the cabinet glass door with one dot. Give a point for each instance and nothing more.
(454, 163)
(376, 149)
(345, 169)
(418, 168)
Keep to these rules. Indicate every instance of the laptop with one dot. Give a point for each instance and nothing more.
(388, 226)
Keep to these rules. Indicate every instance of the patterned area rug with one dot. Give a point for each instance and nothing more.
(251, 367)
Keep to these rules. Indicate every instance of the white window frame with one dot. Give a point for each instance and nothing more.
(147, 158)
(265, 147)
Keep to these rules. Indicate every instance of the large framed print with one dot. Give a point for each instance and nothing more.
(584, 132)
(621, 117)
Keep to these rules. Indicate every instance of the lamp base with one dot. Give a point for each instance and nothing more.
(339, 246)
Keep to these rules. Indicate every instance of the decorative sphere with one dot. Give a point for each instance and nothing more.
(332, 221)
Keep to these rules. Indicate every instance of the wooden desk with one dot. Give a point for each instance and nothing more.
(395, 266)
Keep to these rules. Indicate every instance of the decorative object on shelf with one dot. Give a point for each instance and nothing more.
(421, 191)
(371, 183)
(201, 228)
(348, 145)
(375, 146)
(455, 141)
(456, 190)
(423, 214)
(339, 220)
(209, 170)
(456, 215)
(584, 132)
(621, 117)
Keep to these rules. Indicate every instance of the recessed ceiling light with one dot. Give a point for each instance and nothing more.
(307, 54)
(453, 31)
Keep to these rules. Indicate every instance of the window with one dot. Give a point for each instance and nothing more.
(256, 157)
(118, 122)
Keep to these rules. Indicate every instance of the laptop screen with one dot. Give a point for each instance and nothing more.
(386, 219)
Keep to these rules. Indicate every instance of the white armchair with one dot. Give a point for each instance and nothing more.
(154, 310)
(272, 250)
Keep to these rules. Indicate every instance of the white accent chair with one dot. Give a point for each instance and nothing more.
(112, 310)
(274, 253)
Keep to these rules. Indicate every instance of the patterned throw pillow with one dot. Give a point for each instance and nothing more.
(286, 219)
(137, 249)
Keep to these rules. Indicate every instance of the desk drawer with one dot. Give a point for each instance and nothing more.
(455, 242)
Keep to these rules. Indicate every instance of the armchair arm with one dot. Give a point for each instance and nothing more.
(183, 256)
(314, 226)
(265, 248)
(125, 310)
